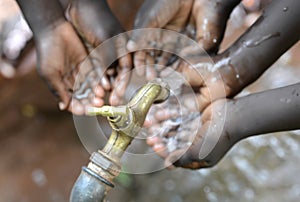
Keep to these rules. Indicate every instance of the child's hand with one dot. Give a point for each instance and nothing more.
(206, 148)
(95, 23)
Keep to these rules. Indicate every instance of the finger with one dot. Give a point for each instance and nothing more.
(165, 114)
(125, 57)
(139, 62)
(150, 70)
(192, 50)
(203, 100)
(99, 91)
(163, 60)
(190, 102)
(166, 72)
(123, 78)
(149, 122)
(206, 115)
(105, 82)
(87, 103)
(186, 158)
(211, 23)
(99, 68)
(251, 5)
(6, 69)
(152, 15)
(125, 62)
(114, 99)
(191, 75)
(151, 73)
(98, 102)
(201, 22)
(121, 83)
(76, 107)
(57, 86)
(214, 90)
(173, 157)
(154, 129)
(161, 150)
(151, 141)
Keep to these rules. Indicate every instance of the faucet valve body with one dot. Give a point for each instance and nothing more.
(126, 121)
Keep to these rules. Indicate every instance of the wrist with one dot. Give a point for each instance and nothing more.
(41, 15)
(91, 4)
(233, 78)
(48, 30)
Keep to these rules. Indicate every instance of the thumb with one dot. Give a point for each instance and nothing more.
(179, 158)
(57, 87)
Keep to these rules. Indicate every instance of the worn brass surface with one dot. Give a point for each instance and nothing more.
(127, 121)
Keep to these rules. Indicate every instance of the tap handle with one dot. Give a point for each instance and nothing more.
(108, 111)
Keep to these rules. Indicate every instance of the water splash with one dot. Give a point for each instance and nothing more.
(256, 42)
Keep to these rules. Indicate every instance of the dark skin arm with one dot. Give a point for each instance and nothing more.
(254, 52)
(270, 111)
(266, 112)
(41, 14)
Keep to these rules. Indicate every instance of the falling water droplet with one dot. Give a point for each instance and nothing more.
(215, 40)
(285, 9)
(237, 76)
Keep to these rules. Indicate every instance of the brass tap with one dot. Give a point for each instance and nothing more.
(126, 122)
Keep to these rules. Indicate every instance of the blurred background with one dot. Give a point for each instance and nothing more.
(41, 154)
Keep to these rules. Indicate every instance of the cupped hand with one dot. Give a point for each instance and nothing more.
(212, 78)
(95, 23)
(212, 140)
(164, 14)
(61, 61)
(204, 21)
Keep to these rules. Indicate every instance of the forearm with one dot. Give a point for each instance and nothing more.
(226, 6)
(274, 33)
(41, 14)
(270, 111)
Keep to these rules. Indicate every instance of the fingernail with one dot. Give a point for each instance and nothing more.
(62, 106)
(98, 102)
(99, 91)
(131, 46)
(105, 83)
(76, 108)
(159, 147)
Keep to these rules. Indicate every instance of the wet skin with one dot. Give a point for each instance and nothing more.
(46, 19)
(259, 113)
(207, 18)
(61, 52)
(255, 51)
(95, 23)
(247, 59)
(289, 34)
